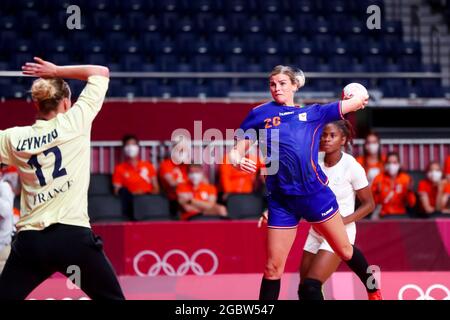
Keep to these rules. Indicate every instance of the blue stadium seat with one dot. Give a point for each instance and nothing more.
(184, 67)
(17, 60)
(116, 41)
(272, 24)
(306, 24)
(336, 6)
(219, 87)
(166, 62)
(61, 59)
(201, 63)
(375, 63)
(5, 83)
(306, 62)
(220, 25)
(287, 25)
(187, 42)
(95, 46)
(410, 63)
(255, 85)
(325, 84)
(268, 62)
(429, 88)
(271, 6)
(132, 62)
(135, 5)
(95, 58)
(253, 43)
(236, 63)
(238, 6)
(135, 21)
(341, 63)
(149, 87)
(8, 23)
(303, 6)
(394, 87)
(169, 21)
(151, 24)
(7, 41)
(185, 87)
(220, 43)
(166, 91)
(150, 41)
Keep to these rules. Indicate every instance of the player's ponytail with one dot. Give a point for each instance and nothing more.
(300, 78)
(48, 93)
(296, 75)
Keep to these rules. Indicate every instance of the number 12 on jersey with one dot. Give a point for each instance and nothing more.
(57, 170)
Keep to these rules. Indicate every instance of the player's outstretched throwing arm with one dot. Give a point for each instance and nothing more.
(45, 69)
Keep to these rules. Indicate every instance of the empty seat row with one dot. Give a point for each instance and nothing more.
(231, 6)
(168, 88)
(108, 208)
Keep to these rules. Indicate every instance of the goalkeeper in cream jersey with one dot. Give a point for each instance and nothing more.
(53, 159)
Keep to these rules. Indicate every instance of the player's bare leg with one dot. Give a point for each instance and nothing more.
(333, 230)
(279, 243)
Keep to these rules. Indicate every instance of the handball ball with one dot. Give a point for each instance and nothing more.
(353, 89)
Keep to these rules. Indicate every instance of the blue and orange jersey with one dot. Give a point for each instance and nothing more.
(298, 137)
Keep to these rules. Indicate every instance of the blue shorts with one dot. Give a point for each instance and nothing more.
(285, 211)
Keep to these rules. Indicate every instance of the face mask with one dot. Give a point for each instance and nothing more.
(435, 175)
(196, 177)
(392, 169)
(373, 148)
(131, 150)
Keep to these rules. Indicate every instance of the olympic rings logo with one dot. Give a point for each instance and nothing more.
(424, 295)
(183, 268)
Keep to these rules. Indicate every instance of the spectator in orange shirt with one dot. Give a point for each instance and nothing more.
(234, 180)
(197, 197)
(431, 190)
(392, 189)
(447, 168)
(372, 160)
(171, 175)
(133, 176)
(446, 198)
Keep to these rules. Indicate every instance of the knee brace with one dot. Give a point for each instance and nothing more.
(310, 289)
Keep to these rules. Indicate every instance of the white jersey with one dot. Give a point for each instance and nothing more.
(53, 159)
(345, 178)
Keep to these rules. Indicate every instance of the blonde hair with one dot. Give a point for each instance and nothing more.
(296, 76)
(48, 93)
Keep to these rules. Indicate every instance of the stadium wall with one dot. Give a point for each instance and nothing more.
(225, 247)
(148, 120)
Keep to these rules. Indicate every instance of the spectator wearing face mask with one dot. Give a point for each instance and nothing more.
(372, 160)
(431, 190)
(173, 171)
(197, 197)
(392, 190)
(133, 176)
